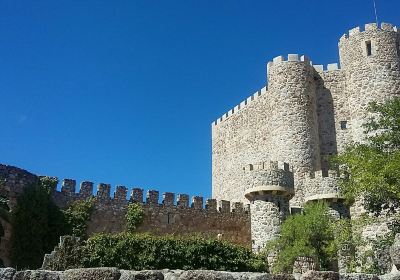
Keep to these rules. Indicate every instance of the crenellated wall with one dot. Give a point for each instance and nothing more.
(175, 214)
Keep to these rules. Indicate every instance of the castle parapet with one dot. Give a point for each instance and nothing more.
(320, 186)
(240, 106)
(269, 177)
(103, 191)
(388, 27)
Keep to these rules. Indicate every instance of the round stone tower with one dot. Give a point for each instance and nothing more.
(294, 125)
(269, 188)
(370, 61)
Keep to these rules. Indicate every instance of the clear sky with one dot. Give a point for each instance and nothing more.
(124, 92)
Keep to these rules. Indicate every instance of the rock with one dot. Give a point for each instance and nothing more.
(320, 275)
(7, 273)
(358, 276)
(394, 275)
(37, 275)
(141, 275)
(205, 275)
(103, 273)
(395, 251)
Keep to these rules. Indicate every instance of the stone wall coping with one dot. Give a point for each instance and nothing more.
(261, 190)
(325, 196)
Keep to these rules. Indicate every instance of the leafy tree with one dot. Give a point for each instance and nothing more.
(37, 224)
(134, 216)
(310, 234)
(373, 168)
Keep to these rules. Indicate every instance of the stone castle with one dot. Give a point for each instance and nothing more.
(305, 114)
(269, 153)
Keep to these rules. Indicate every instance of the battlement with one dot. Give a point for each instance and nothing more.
(269, 177)
(290, 58)
(369, 27)
(322, 186)
(240, 106)
(327, 68)
(69, 191)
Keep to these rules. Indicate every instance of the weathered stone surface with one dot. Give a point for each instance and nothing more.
(395, 275)
(7, 273)
(320, 275)
(395, 252)
(141, 275)
(37, 275)
(358, 276)
(103, 273)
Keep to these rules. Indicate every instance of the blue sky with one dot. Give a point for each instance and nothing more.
(124, 92)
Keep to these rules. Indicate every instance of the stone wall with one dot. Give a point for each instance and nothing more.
(222, 219)
(116, 274)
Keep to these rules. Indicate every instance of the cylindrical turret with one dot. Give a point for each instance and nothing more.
(269, 186)
(370, 60)
(294, 126)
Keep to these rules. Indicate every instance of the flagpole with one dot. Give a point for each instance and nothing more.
(376, 14)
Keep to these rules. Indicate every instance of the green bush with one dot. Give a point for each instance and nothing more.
(77, 215)
(143, 251)
(308, 235)
(37, 225)
(134, 216)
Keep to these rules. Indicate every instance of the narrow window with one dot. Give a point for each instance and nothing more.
(398, 49)
(169, 219)
(279, 206)
(343, 125)
(368, 47)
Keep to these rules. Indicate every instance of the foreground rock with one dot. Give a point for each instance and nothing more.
(109, 273)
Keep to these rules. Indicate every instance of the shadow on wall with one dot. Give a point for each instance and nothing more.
(326, 125)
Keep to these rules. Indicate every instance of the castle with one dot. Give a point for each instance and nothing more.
(305, 114)
(269, 153)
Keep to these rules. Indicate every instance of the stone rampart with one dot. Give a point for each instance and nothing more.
(174, 214)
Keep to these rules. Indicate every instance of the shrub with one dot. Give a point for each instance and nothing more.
(77, 215)
(143, 251)
(134, 216)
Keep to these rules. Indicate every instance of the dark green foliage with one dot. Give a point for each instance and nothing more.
(308, 235)
(37, 224)
(77, 215)
(134, 216)
(142, 251)
(373, 168)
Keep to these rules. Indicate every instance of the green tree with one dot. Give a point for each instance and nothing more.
(310, 234)
(373, 168)
(37, 224)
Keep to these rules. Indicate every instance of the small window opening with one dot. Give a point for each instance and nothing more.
(343, 125)
(368, 47)
(169, 218)
(279, 206)
(398, 49)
